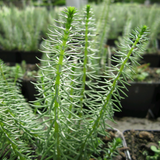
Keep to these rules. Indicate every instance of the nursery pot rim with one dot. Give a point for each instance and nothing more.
(128, 157)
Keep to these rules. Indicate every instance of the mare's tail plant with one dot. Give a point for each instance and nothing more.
(102, 30)
(17, 130)
(75, 101)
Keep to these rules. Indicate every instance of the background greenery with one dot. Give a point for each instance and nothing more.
(23, 29)
(137, 1)
(62, 2)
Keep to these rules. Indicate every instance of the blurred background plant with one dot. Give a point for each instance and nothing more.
(63, 2)
(24, 24)
(21, 29)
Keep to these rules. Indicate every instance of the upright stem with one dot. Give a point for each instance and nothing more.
(109, 96)
(85, 60)
(104, 20)
(56, 100)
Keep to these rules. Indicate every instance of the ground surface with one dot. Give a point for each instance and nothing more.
(135, 123)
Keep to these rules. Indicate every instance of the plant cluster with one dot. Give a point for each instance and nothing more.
(120, 15)
(23, 29)
(75, 98)
(34, 2)
(48, 3)
(112, 149)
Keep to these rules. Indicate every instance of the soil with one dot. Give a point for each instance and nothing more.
(132, 123)
(119, 151)
(140, 142)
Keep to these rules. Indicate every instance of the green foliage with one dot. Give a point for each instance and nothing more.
(24, 29)
(112, 150)
(102, 32)
(136, 1)
(156, 151)
(16, 125)
(75, 98)
(140, 73)
(21, 29)
(120, 14)
(34, 2)
(48, 2)
(12, 72)
(71, 93)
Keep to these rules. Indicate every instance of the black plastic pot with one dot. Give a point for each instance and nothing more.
(111, 42)
(28, 90)
(139, 101)
(29, 57)
(154, 111)
(8, 56)
(152, 59)
(139, 141)
(158, 42)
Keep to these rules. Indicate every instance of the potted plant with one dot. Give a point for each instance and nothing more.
(7, 56)
(149, 16)
(142, 92)
(32, 25)
(135, 14)
(20, 33)
(66, 129)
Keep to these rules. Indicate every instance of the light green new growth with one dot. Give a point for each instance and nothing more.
(156, 151)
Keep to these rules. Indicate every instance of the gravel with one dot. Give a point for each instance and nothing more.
(125, 123)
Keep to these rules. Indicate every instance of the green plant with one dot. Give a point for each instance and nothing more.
(140, 73)
(149, 16)
(48, 2)
(21, 29)
(121, 14)
(117, 19)
(76, 99)
(102, 30)
(15, 117)
(156, 151)
(13, 73)
(112, 150)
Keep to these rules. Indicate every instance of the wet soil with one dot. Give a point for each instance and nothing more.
(119, 150)
(132, 123)
(140, 142)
